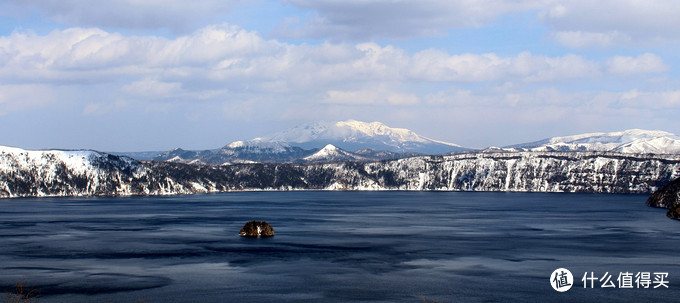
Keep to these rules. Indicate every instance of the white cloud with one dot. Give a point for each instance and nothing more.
(645, 63)
(221, 53)
(78, 54)
(224, 62)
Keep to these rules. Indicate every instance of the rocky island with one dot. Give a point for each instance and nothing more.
(667, 197)
(257, 229)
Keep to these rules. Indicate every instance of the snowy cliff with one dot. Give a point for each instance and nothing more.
(83, 173)
(532, 172)
(64, 173)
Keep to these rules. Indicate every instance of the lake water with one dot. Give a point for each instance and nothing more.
(336, 247)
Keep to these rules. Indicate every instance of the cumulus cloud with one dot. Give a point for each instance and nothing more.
(221, 61)
(175, 15)
(645, 63)
(89, 54)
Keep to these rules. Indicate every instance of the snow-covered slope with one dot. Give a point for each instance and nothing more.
(63, 173)
(629, 141)
(654, 145)
(353, 135)
(16, 158)
(331, 153)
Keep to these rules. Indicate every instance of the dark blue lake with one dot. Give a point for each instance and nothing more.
(336, 247)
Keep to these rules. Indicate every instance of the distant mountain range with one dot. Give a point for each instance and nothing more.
(630, 141)
(353, 140)
(314, 142)
(256, 151)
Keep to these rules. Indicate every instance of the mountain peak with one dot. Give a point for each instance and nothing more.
(330, 148)
(354, 135)
(330, 153)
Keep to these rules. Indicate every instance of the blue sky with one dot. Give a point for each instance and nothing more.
(154, 75)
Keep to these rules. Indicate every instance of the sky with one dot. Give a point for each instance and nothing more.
(134, 75)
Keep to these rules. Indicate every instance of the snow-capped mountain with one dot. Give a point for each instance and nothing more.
(629, 141)
(331, 153)
(353, 135)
